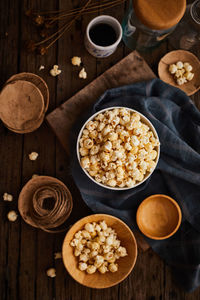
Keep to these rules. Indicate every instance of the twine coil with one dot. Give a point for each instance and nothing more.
(47, 218)
(45, 203)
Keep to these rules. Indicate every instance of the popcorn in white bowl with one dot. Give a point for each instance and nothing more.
(118, 148)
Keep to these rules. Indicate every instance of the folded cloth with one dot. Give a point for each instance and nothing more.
(177, 122)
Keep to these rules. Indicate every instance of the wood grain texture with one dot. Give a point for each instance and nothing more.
(25, 252)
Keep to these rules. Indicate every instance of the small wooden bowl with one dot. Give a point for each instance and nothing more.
(172, 57)
(98, 280)
(158, 217)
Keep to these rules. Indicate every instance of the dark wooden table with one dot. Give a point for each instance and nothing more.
(25, 252)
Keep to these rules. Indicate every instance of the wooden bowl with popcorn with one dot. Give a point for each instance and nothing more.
(99, 251)
(118, 148)
(181, 69)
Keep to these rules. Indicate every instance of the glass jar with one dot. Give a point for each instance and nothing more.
(187, 34)
(138, 36)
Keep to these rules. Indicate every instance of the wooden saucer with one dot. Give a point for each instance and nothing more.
(22, 104)
(172, 57)
(36, 125)
(158, 217)
(37, 81)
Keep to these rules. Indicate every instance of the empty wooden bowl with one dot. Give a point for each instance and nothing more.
(98, 280)
(173, 57)
(158, 217)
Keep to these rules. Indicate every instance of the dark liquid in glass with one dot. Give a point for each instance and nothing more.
(103, 35)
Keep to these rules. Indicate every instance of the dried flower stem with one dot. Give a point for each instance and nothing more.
(92, 5)
(89, 10)
(74, 14)
(69, 25)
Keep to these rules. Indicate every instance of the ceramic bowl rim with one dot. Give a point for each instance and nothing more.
(143, 118)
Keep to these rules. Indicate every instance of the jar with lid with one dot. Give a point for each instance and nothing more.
(147, 23)
(187, 34)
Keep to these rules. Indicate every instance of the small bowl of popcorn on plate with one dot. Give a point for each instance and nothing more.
(99, 251)
(181, 69)
(118, 148)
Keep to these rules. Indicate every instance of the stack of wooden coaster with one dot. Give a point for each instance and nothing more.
(46, 203)
(24, 101)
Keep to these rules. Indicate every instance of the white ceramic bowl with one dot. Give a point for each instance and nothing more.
(145, 121)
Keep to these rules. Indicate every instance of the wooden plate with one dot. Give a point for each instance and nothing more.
(172, 57)
(37, 81)
(98, 280)
(158, 217)
(36, 125)
(22, 105)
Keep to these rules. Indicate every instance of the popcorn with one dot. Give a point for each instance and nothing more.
(189, 76)
(57, 255)
(116, 146)
(188, 67)
(85, 162)
(82, 266)
(76, 61)
(41, 68)
(84, 151)
(182, 72)
(82, 74)
(83, 257)
(173, 68)
(51, 272)
(100, 249)
(12, 216)
(89, 227)
(55, 71)
(179, 65)
(35, 175)
(33, 155)
(103, 269)
(91, 269)
(113, 267)
(7, 197)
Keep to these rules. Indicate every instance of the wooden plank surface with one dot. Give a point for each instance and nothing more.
(25, 252)
(130, 69)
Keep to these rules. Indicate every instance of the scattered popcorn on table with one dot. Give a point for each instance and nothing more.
(121, 152)
(7, 197)
(82, 74)
(97, 248)
(182, 72)
(35, 175)
(76, 61)
(12, 216)
(57, 255)
(55, 71)
(41, 68)
(51, 272)
(33, 155)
